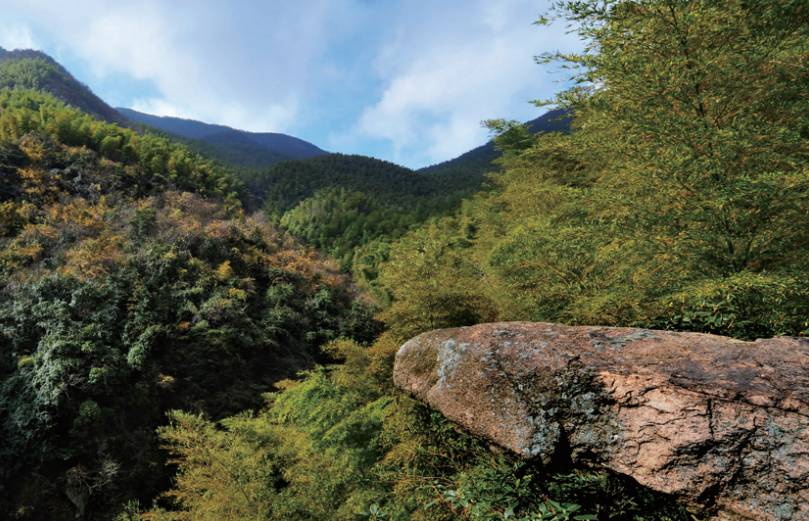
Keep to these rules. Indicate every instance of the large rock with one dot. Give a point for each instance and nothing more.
(720, 423)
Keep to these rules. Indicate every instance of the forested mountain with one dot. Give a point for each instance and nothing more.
(344, 204)
(232, 146)
(28, 69)
(148, 323)
(474, 165)
(287, 183)
(351, 206)
(678, 201)
(339, 202)
(132, 283)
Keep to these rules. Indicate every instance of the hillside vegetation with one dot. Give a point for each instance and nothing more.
(342, 203)
(131, 283)
(352, 207)
(678, 201)
(27, 69)
(145, 319)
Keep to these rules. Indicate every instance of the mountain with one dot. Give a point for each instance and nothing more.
(473, 165)
(35, 70)
(289, 182)
(131, 283)
(233, 146)
(29, 69)
(341, 204)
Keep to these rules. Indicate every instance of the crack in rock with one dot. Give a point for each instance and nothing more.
(717, 422)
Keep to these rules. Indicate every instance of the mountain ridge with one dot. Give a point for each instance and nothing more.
(32, 69)
(481, 158)
(28, 68)
(236, 146)
(36, 70)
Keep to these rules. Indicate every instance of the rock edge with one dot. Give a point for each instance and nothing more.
(720, 423)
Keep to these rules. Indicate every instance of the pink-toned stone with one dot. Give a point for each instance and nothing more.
(720, 423)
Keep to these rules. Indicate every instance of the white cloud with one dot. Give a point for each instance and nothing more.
(466, 69)
(247, 67)
(16, 36)
(150, 44)
(409, 79)
(156, 106)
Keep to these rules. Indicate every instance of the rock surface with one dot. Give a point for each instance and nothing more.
(720, 423)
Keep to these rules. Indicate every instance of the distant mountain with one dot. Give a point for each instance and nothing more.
(29, 69)
(236, 147)
(473, 165)
(433, 189)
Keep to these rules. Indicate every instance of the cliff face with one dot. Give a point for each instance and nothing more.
(720, 423)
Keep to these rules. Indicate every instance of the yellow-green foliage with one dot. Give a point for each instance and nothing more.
(678, 200)
(131, 282)
(67, 150)
(341, 445)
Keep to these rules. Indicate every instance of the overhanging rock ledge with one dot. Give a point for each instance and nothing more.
(720, 423)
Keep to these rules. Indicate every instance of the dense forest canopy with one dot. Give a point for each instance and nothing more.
(678, 201)
(144, 317)
(351, 207)
(354, 207)
(133, 283)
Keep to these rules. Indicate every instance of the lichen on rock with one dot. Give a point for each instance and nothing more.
(720, 423)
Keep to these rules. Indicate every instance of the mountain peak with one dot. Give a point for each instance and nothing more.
(35, 70)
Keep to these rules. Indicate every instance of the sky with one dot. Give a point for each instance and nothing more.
(404, 80)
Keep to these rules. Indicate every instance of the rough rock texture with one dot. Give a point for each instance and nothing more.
(722, 424)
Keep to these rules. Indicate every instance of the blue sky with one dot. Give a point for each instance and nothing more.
(408, 81)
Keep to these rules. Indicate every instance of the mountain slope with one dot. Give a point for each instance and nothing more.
(237, 147)
(473, 165)
(131, 283)
(341, 204)
(289, 182)
(29, 69)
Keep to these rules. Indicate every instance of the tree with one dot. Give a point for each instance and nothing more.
(697, 112)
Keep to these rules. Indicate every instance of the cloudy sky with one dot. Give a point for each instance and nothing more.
(404, 80)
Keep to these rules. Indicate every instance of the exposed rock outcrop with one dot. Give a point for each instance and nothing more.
(720, 423)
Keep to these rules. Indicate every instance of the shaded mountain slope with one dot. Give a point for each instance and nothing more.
(343, 204)
(233, 146)
(471, 167)
(288, 182)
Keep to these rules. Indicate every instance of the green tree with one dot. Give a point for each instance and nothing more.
(694, 116)
(678, 200)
